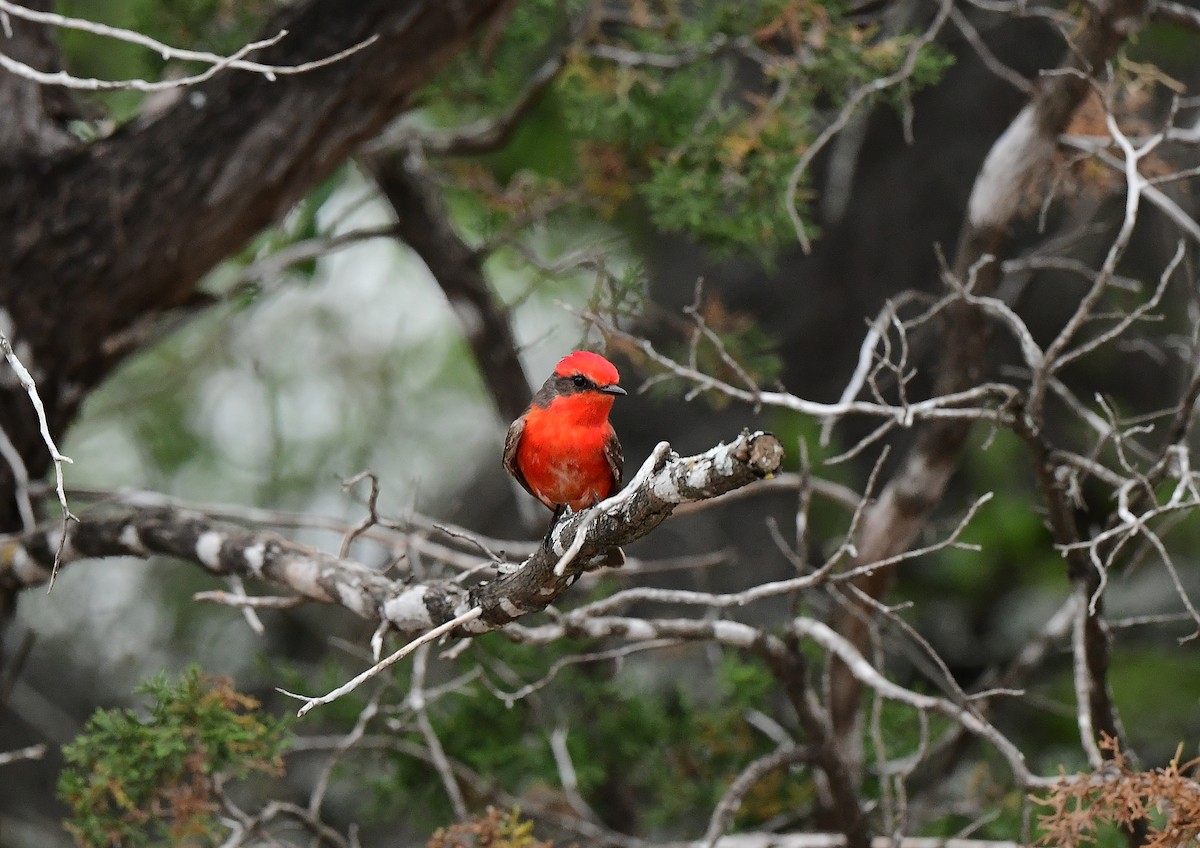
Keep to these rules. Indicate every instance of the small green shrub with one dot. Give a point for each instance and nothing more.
(134, 780)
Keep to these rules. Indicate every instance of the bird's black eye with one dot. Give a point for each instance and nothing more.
(579, 380)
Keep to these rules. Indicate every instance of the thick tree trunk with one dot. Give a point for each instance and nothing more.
(96, 241)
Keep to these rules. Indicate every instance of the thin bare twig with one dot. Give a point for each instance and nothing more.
(216, 63)
(26, 381)
(416, 699)
(387, 662)
(851, 105)
(33, 752)
(728, 806)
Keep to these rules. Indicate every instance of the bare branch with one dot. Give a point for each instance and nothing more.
(862, 669)
(1014, 171)
(33, 752)
(372, 517)
(728, 806)
(567, 775)
(852, 104)
(786, 481)
(1135, 185)
(1176, 13)
(1001, 70)
(821, 576)
(441, 630)
(246, 601)
(948, 406)
(235, 61)
(1085, 685)
(20, 474)
(1149, 189)
(510, 698)
(484, 136)
(352, 738)
(663, 484)
(26, 381)
(736, 634)
(417, 700)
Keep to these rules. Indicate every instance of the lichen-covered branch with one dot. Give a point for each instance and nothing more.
(664, 482)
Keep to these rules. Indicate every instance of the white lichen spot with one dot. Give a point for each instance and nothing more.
(698, 476)
(130, 539)
(351, 598)
(510, 608)
(304, 576)
(407, 610)
(635, 629)
(208, 548)
(665, 489)
(733, 633)
(255, 556)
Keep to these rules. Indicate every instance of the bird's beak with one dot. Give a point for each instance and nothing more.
(613, 389)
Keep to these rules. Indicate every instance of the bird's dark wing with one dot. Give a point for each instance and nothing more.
(511, 442)
(614, 557)
(615, 457)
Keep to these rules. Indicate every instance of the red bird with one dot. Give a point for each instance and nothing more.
(563, 450)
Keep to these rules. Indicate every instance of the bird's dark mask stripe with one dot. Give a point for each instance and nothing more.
(560, 385)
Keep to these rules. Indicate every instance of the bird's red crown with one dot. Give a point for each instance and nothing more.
(591, 365)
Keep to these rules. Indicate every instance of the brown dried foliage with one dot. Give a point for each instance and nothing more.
(1168, 797)
(494, 829)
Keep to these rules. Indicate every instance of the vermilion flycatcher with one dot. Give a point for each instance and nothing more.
(563, 450)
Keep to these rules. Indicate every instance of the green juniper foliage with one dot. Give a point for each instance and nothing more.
(700, 111)
(141, 779)
(700, 742)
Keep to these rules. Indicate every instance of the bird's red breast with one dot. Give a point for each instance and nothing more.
(563, 450)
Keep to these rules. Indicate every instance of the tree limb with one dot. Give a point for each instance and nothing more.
(484, 136)
(94, 240)
(1178, 14)
(664, 482)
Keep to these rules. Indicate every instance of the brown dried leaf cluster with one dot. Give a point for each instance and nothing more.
(494, 829)
(1135, 102)
(1168, 797)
